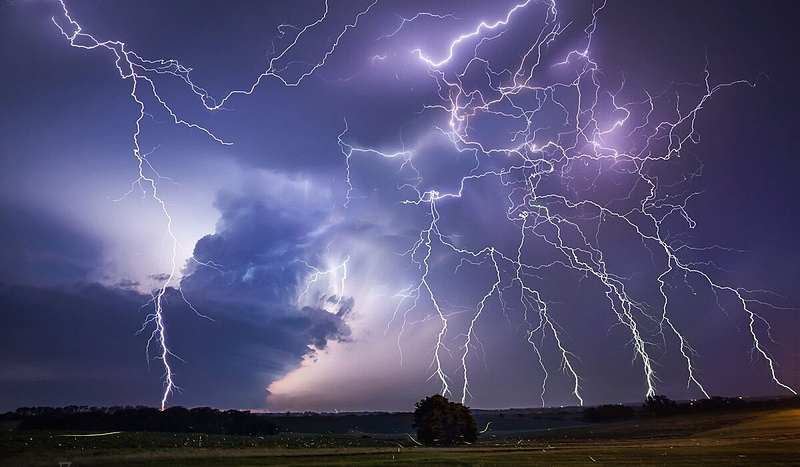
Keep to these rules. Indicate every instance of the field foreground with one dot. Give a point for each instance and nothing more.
(747, 437)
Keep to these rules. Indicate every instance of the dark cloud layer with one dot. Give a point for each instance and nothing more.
(36, 247)
(72, 344)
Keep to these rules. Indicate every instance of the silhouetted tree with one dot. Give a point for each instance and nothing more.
(660, 405)
(441, 422)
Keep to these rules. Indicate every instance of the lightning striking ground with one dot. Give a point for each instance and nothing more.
(539, 170)
(142, 73)
(566, 133)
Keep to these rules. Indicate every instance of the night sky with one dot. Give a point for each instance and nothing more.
(362, 181)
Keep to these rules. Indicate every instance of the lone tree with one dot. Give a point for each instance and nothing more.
(441, 422)
(660, 405)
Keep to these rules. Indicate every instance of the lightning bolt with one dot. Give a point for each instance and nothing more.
(592, 134)
(317, 273)
(142, 74)
(564, 129)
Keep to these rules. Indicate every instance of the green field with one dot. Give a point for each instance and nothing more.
(746, 437)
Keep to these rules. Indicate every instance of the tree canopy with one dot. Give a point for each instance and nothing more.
(441, 422)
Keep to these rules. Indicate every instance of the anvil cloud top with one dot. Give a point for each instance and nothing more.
(350, 205)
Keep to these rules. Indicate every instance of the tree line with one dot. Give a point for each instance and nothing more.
(661, 406)
(141, 418)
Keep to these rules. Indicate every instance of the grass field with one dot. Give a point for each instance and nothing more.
(747, 437)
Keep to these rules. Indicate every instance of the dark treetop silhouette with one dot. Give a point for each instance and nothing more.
(441, 422)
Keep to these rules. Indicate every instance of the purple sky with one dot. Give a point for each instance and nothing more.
(560, 209)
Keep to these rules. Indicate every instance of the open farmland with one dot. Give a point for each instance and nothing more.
(747, 437)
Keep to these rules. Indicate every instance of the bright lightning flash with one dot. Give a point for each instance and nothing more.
(541, 169)
(142, 74)
(542, 166)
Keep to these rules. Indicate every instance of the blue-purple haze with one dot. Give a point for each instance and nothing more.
(306, 269)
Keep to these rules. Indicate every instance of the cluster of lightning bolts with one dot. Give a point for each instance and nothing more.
(536, 212)
(142, 74)
(589, 130)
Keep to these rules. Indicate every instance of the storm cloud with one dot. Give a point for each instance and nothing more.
(81, 340)
(282, 287)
